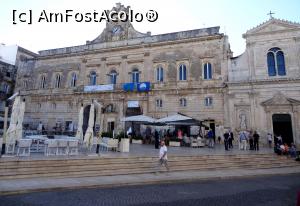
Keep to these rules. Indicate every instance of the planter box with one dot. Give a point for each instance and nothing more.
(137, 141)
(124, 145)
(174, 144)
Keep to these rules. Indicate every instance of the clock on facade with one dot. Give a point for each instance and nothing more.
(116, 29)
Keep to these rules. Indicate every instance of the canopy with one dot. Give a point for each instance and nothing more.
(139, 118)
(178, 119)
(19, 127)
(89, 134)
(79, 133)
(11, 131)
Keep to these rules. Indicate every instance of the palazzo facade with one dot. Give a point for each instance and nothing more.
(190, 72)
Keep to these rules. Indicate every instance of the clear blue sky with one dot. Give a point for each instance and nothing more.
(234, 17)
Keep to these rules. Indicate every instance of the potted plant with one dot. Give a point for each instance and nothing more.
(124, 142)
(174, 142)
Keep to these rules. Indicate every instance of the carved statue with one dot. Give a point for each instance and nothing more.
(243, 124)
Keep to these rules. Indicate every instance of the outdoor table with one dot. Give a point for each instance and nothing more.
(38, 139)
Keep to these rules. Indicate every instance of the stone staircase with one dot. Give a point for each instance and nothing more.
(105, 166)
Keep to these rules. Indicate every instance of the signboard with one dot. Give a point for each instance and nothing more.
(133, 104)
(97, 88)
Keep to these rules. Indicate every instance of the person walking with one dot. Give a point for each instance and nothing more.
(226, 138)
(256, 141)
(210, 136)
(243, 140)
(230, 140)
(163, 158)
(269, 138)
(251, 141)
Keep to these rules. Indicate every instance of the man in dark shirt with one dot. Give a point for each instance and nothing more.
(256, 140)
(226, 138)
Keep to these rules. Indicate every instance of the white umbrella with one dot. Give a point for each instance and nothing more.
(139, 118)
(11, 131)
(174, 118)
(79, 133)
(89, 134)
(19, 128)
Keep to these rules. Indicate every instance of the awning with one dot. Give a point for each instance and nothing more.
(178, 119)
(139, 118)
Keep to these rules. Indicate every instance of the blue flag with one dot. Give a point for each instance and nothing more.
(143, 86)
(128, 87)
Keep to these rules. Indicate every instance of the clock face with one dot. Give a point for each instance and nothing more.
(116, 29)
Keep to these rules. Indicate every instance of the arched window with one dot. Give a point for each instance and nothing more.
(182, 102)
(135, 74)
(276, 63)
(43, 82)
(93, 78)
(73, 80)
(207, 71)
(182, 72)
(160, 74)
(113, 77)
(57, 81)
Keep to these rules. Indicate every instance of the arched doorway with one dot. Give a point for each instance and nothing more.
(282, 125)
(86, 116)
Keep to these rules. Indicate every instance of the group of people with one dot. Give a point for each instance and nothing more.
(252, 138)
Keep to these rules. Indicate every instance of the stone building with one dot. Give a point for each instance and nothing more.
(263, 88)
(191, 72)
(184, 70)
(11, 58)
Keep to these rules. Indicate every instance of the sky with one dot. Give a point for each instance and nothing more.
(234, 17)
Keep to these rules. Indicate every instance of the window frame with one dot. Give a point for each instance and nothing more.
(182, 72)
(208, 71)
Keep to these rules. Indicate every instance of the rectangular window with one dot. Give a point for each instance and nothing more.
(208, 101)
(159, 103)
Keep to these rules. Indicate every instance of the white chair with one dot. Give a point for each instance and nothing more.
(73, 147)
(10, 147)
(62, 148)
(24, 144)
(51, 147)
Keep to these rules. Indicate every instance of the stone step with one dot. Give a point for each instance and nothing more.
(66, 171)
(20, 163)
(141, 170)
(103, 165)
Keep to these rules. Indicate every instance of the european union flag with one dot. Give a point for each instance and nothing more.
(143, 86)
(128, 87)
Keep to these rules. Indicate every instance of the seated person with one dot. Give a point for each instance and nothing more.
(277, 149)
(186, 140)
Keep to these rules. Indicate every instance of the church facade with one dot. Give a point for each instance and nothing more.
(190, 72)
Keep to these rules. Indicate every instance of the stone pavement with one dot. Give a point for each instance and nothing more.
(46, 184)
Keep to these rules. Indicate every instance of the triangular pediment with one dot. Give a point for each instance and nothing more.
(280, 99)
(271, 26)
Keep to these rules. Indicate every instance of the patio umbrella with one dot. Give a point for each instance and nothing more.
(11, 131)
(19, 128)
(178, 119)
(174, 118)
(139, 118)
(89, 134)
(79, 133)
